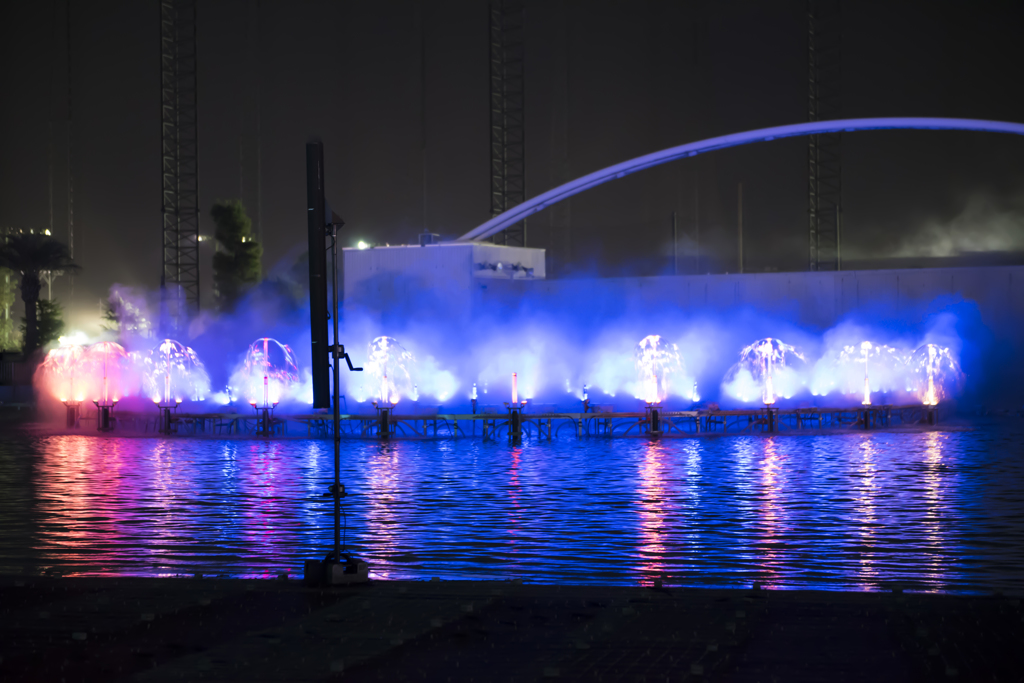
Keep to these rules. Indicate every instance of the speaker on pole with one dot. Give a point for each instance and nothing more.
(315, 207)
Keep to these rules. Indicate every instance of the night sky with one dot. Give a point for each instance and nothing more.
(605, 81)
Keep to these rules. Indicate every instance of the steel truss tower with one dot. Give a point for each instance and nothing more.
(508, 169)
(824, 152)
(179, 161)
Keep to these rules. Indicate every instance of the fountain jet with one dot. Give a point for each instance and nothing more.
(173, 373)
(388, 370)
(868, 367)
(935, 373)
(768, 368)
(109, 366)
(656, 363)
(270, 371)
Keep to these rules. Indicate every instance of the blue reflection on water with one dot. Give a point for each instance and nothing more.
(934, 510)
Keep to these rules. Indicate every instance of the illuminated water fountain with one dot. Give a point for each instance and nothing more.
(388, 371)
(867, 367)
(767, 372)
(173, 372)
(269, 373)
(935, 374)
(110, 376)
(768, 368)
(657, 364)
(59, 372)
(387, 368)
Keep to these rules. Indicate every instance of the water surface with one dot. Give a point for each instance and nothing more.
(935, 510)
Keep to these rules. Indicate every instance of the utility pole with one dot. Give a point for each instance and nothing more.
(675, 243)
(824, 151)
(696, 230)
(179, 161)
(508, 167)
(71, 178)
(739, 227)
(423, 110)
(839, 238)
(60, 113)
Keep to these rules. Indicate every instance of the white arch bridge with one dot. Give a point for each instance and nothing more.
(555, 195)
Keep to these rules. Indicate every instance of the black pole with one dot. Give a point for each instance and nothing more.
(675, 244)
(337, 394)
(316, 221)
(324, 223)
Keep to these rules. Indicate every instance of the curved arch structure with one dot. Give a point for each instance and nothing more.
(553, 196)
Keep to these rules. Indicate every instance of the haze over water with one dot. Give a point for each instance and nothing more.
(934, 510)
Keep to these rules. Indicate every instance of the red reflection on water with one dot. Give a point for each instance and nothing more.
(97, 495)
(654, 506)
(72, 475)
(137, 505)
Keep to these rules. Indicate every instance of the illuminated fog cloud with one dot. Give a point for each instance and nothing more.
(76, 338)
(131, 313)
(859, 370)
(431, 380)
(527, 360)
(768, 369)
(610, 372)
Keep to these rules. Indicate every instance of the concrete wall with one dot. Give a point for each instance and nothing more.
(437, 279)
(987, 302)
(817, 300)
(415, 284)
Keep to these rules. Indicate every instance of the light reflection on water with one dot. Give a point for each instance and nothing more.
(932, 510)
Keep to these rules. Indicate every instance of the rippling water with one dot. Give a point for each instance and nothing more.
(938, 510)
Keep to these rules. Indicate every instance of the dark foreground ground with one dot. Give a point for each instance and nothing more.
(109, 629)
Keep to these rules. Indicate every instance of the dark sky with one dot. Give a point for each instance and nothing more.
(605, 81)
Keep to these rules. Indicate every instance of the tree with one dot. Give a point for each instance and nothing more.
(124, 313)
(32, 254)
(236, 264)
(111, 320)
(50, 325)
(7, 342)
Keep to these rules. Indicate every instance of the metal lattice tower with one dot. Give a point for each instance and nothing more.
(508, 169)
(71, 175)
(179, 160)
(824, 152)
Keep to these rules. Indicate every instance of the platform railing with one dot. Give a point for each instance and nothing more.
(544, 426)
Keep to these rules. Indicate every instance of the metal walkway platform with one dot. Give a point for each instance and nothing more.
(652, 422)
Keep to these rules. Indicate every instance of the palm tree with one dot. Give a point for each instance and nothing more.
(32, 254)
